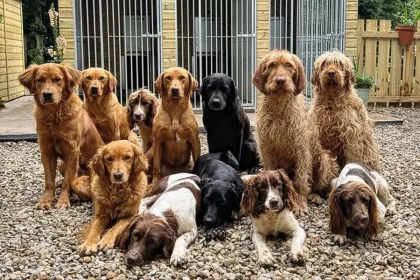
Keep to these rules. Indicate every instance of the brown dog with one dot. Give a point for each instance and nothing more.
(117, 185)
(141, 110)
(175, 129)
(286, 138)
(64, 128)
(103, 106)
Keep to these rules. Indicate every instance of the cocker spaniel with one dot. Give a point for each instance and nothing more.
(359, 202)
(286, 137)
(345, 128)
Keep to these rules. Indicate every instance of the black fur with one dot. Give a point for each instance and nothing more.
(221, 192)
(226, 123)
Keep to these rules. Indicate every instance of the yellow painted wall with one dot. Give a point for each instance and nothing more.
(65, 10)
(11, 49)
(351, 28)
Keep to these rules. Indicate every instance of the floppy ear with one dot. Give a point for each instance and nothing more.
(299, 78)
(112, 81)
(83, 82)
(27, 77)
(140, 161)
(193, 84)
(168, 246)
(123, 239)
(260, 77)
(153, 110)
(289, 194)
(350, 76)
(72, 77)
(373, 226)
(97, 163)
(160, 84)
(249, 199)
(337, 225)
(315, 76)
(130, 101)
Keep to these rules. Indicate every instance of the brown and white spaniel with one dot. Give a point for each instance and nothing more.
(269, 200)
(168, 226)
(359, 202)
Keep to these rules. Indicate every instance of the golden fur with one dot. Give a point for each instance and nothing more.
(344, 125)
(175, 129)
(286, 138)
(117, 185)
(141, 110)
(64, 128)
(103, 106)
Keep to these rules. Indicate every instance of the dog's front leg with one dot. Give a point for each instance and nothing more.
(49, 161)
(108, 240)
(72, 163)
(180, 250)
(296, 252)
(193, 139)
(96, 229)
(265, 257)
(302, 176)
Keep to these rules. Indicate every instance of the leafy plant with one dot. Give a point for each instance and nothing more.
(362, 80)
(410, 12)
(57, 51)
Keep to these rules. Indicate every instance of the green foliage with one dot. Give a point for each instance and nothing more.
(410, 12)
(58, 49)
(362, 80)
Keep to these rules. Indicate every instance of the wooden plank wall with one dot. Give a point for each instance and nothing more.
(263, 34)
(11, 49)
(351, 27)
(395, 68)
(65, 12)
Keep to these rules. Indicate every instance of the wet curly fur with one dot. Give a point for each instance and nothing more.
(286, 138)
(345, 128)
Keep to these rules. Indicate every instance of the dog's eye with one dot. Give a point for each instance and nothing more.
(56, 80)
(127, 157)
(365, 199)
(40, 80)
(272, 64)
(109, 159)
(102, 78)
(182, 77)
(168, 78)
(288, 65)
(88, 78)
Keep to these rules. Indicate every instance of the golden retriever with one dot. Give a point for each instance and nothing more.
(117, 185)
(175, 129)
(103, 106)
(64, 128)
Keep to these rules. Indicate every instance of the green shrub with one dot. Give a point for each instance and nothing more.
(363, 80)
(410, 12)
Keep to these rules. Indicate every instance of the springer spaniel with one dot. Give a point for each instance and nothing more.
(169, 226)
(359, 201)
(269, 198)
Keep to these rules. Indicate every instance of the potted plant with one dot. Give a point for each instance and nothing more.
(363, 84)
(410, 15)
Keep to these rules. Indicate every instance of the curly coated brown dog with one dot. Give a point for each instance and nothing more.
(103, 107)
(175, 129)
(286, 138)
(64, 128)
(345, 128)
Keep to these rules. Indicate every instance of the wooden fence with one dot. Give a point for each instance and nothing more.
(396, 68)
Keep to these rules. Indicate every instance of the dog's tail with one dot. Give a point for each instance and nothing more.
(81, 187)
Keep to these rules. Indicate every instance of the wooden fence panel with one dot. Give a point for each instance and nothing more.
(417, 74)
(408, 71)
(383, 60)
(371, 47)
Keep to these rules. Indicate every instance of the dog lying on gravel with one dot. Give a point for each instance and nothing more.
(169, 226)
(117, 185)
(269, 199)
(359, 201)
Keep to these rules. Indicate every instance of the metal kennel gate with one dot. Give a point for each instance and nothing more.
(123, 37)
(218, 36)
(308, 28)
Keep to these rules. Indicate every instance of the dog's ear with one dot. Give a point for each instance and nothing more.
(123, 239)
(373, 226)
(83, 81)
(27, 77)
(140, 161)
(289, 194)
(315, 76)
(160, 84)
(250, 197)
(349, 70)
(337, 224)
(72, 77)
(97, 163)
(129, 111)
(299, 78)
(112, 81)
(193, 85)
(260, 77)
(237, 192)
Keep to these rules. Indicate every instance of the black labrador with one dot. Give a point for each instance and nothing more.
(226, 123)
(221, 192)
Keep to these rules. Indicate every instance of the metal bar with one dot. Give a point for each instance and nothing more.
(131, 48)
(188, 37)
(136, 38)
(101, 34)
(143, 76)
(113, 40)
(147, 42)
(125, 50)
(119, 45)
(217, 39)
(152, 42)
(94, 34)
(292, 23)
(87, 32)
(226, 38)
(82, 66)
(107, 30)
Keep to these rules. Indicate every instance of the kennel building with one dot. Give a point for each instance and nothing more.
(138, 39)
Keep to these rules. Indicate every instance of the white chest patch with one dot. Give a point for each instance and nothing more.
(177, 137)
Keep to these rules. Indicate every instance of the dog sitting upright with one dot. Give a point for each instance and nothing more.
(359, 202)
(168, 226)
(269, 199)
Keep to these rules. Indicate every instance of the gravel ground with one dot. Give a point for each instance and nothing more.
(38, 244)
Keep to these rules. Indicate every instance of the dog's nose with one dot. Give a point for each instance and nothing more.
(273, 202)
(175, 92)
(137, 116)
(331, 73)
(216, 103)
(94, 89)
(118, 175)
(364, 219)
(132, 258)
(209, 221)
(280, 80)
(47, 95)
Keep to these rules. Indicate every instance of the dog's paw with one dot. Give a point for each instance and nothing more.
(216, 233)
(178, 258)
(88, 248)
(300, 212)
(62, 204)
(315, 199)
(44, 204)
(339, 239)
(107, 242)
(391, 211)
(266, 259)
(298, 258)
